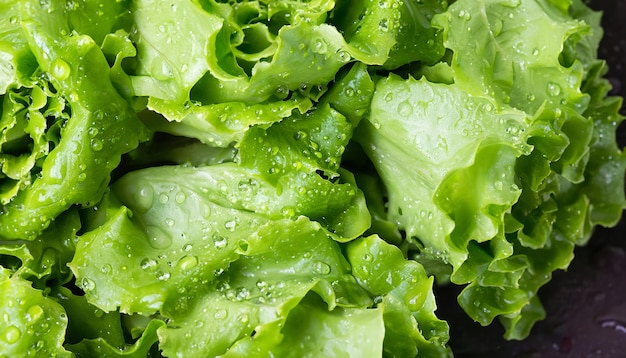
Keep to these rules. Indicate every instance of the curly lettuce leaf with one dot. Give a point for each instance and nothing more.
(44, 260)
(524, 126)
(510, 51)
(101, 128)
(311, 330)
(312, 146)
(188, 223)
(85, 321)
(33, 325)
(280, 264)
(25, 135)
(17, 63)
(404, 294)
(351, 93)
(309, 142)
(604, 172)
(476, 145)
(164, 47)
(570, 211)
(498, 52)
(139, 349)
(221, 124)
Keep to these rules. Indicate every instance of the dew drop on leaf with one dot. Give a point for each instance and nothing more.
(34, 313)
(221, 314)
(11, 334)
(87, 284)
(405, 109)
(59, 69)
(188, 262)
(158, 238)
(322, 268)
(220, 241)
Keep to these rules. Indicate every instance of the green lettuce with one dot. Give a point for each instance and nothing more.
(33, 325)
(77, 169)
(290, 178)
(517, 124)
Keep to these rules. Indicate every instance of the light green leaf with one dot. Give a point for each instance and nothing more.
(32, 325)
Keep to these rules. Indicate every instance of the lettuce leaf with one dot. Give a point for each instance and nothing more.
(519, 124)
(33, 324)
(100, 129)
(289, 178)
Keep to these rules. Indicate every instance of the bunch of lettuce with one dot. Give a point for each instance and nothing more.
(287, 178)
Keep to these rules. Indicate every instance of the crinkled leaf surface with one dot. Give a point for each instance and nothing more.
(101, 128)
(33, 325)
(181, 232)
(473, 131)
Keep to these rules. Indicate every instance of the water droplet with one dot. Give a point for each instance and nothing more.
(148, 263)
(34, 313)
(187, 262)
(163, 276)
(87, 284)
(554, 89)
(288, 211)
(11, 334)
(220, 241)
(59, 69)
(221, 314)
(180, 197)
(320, 46)
(498, 185)
(243, 245)
(322, 268)
(365, 269)
(243, 318)
(99, 115)
(465, 15)
(383, 25)
(158, 238)
(144, 198)
(367, 257)
(405, 109)
(344, 56)
(106, 269)
(230, 225)
(96, 144)
(164, 198)
(242, 294)
(414, 303)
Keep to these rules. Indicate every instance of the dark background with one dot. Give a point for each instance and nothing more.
(586, 305)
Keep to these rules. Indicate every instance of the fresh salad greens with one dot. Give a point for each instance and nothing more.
(289, 178)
